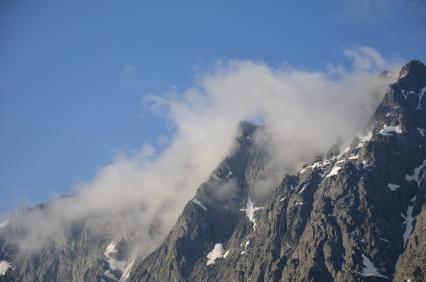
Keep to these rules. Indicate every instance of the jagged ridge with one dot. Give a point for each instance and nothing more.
(345, 218)
(358, 215)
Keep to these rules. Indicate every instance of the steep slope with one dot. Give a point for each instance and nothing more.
(76, 252)
(355, 215)
(358, 215)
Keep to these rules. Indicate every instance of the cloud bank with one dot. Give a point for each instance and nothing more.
(304, 112)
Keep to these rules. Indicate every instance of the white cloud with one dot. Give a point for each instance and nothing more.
(304, 112)
(367, 59)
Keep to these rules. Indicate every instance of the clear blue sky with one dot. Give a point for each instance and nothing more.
(73, 73)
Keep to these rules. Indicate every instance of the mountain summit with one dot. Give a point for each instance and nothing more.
(354, 214)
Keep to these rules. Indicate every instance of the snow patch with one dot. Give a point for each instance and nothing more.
(419, 104)
(364, 164)
(389, 129)
(408, 222)
(198, 203)
(353, 157)
(226, 254)
(250, 210)
(417, 174)
(216, 253)
(215, 177)
(126, 272)
(4, 266)
(315, 165)
(393, 187)
(383, 239)
(421, 131)
(110, 249)
(282, 199)
(114, 264)
(303, 189)
(364, 138)
(369, 268)
(334, 171)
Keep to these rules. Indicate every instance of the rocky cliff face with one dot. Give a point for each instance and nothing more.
(348, 216)
(358, 214)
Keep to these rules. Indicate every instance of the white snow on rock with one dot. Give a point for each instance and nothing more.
(215, 177)
(421, 131)
(315, 165)
(303, 189)
(369, 268)
(110, 249)
(364, 138)
(334, 171)
(353, 157)
(393, 187)
(114, 264)
(127, 270)
(389, 129)
(283, 199)
(408, 222)
(418, 174)
(250, 210)
(405, 93)
(303, 169)
(364, 164)
(421, 94)
(226, 254)
(4, 223)
(216, 253)
(299, 203)
(403, 74)
(197, 202)
(4, 266)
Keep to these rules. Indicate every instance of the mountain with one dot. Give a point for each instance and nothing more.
(358, 214)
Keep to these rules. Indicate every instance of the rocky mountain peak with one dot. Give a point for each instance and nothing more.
(356, 214)
(348, 217)
(411, 82)
(414, 71)
(246, 128)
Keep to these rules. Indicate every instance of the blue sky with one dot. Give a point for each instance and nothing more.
(73, 73)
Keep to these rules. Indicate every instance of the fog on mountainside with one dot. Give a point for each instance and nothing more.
(305, 112)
